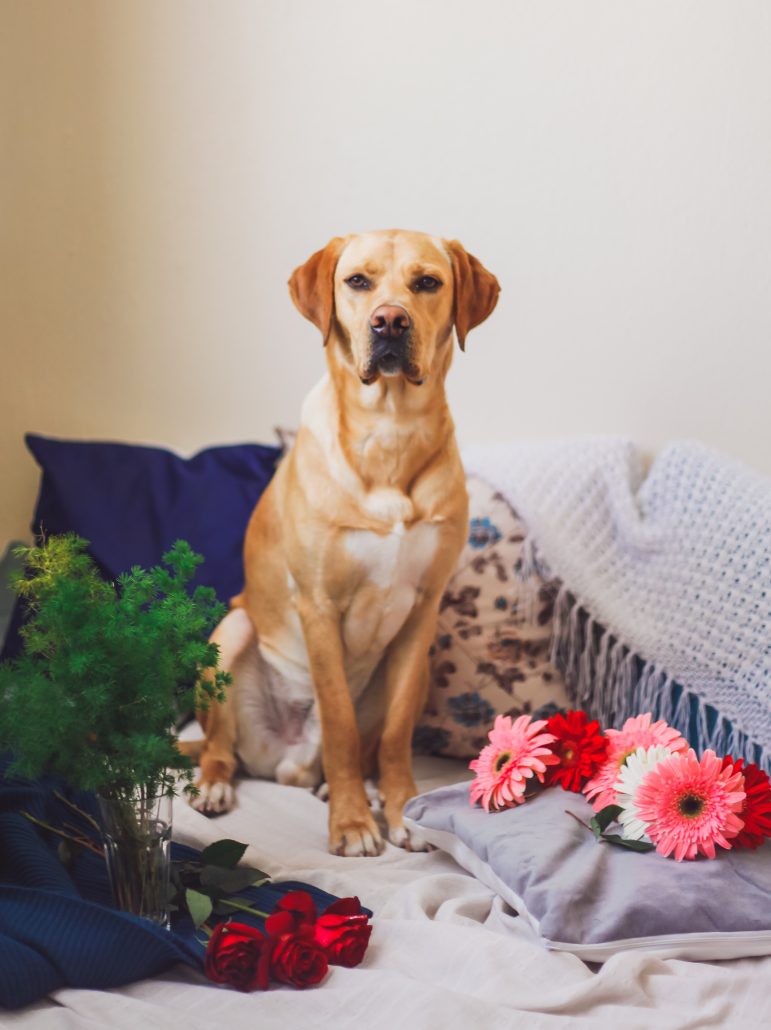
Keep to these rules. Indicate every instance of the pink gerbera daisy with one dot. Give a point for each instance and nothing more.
(517, 751)
(636, 732)
(691, 804)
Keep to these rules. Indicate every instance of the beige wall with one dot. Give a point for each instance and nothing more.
(164, 165)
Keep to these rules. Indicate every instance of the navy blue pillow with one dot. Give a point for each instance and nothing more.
(133, 502)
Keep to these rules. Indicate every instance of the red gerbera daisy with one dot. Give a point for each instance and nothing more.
(580, 747)
(757, 805)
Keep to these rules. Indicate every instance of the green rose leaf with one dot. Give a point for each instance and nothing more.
(221, 908)
(198, 905)
(622, 842)
(231, 881)
(604, 818)
(224, 853)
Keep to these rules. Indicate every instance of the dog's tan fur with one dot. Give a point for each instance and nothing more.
(350, 547)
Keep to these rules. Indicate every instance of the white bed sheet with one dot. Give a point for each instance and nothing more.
(445, 951)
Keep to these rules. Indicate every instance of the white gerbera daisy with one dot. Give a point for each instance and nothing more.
(631, 775)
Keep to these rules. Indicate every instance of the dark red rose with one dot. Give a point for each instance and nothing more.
(296, 958)
(299, 904)
(239, 955)
(343, 932)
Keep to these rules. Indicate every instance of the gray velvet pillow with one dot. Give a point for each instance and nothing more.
(596, 899)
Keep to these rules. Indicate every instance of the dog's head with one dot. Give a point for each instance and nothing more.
(392, 298)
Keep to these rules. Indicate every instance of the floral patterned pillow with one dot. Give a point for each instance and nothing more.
(491, 652)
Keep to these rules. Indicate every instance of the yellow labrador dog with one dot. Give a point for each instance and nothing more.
(350, 547)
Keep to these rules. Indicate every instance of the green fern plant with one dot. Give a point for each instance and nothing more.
(104, 667)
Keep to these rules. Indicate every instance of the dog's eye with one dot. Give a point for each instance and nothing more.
(358, 282)
(426, 284)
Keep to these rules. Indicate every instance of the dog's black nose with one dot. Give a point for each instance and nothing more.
(390, 320)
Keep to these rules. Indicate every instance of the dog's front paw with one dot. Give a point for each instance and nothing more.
(214, 798)
(410, 840)
(354, 837)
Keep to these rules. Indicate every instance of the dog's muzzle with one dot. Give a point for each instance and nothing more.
(390, 328)
(389, 356)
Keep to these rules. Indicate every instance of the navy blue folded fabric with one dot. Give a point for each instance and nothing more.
(132, 502)
(58, 926)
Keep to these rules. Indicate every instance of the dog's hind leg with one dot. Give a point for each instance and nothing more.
(235, 636)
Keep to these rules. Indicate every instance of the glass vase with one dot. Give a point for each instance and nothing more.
(136, 829)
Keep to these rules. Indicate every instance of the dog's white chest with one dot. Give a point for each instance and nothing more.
(392, 566)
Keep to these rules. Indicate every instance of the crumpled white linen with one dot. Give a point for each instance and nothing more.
(445, 952)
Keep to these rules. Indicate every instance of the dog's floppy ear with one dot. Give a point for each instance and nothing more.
(312, 286)
(476, 291)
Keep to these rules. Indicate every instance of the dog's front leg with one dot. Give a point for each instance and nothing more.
(406, 690)
(352, 829)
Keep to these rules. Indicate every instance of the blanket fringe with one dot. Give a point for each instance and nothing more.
(613, 684)
(532, 572)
